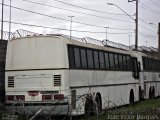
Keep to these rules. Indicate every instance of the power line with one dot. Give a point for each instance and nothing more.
(93, 15)
(146, 28)
(146, 23)
(93, 10)
(147, 37)
(59, 18)
(151, 36)
(143, 20)
(155, 3)
(31, 25)
(149, 9)
(69, 20)
(51, 16)
(89, 9)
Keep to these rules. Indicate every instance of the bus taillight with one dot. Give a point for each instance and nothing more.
(59, 97)
(9, 97)
(20, 97)
(46, 97)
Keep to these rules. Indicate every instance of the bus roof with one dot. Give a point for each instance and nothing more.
(98, 44)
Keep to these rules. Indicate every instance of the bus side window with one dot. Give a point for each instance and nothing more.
(149, 64)
(96, 59)
(111, 60)
(139, 66)
(71, 57)
(158, 66)
(125, 62)
(135, 68)
(101, 60)
(107, 61)
(77, 58)
(116, 61)
(128, 59)
(121, 63)
(83, 58)
(90, 59)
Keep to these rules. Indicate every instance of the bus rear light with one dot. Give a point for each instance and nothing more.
(46, 97)
(9, 97)
(33, 93)
(59, 97)
(20, 97)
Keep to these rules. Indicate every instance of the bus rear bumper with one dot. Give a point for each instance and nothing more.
(42, 108)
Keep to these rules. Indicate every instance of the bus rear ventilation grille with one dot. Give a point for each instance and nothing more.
(10, 81)
(57, 80)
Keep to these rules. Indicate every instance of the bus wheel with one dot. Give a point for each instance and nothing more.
(88, 106)
(131, 97)
(140, 94)
(153, 92)
(150, 93)
(98, 102)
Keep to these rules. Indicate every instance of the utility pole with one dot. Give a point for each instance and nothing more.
(106, 31)
(10, 15)
(2, 20)
(71, 25)
(146, 43)
(159, 39)
(129, 39)
(158, 33)
(136, 22)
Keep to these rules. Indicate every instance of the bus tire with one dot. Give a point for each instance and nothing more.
(131, 97)
(88, 106)
(93, 107)
(98, 100)
(153, 92)
(140, 94)
(150, 93)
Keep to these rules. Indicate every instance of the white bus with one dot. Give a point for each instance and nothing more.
(54, 74)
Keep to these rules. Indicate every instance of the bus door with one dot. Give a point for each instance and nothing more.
(135, 68)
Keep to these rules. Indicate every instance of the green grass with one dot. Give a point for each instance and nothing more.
(141, 106)
(145, 109)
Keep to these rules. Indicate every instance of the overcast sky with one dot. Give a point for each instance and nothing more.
(98, 14)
